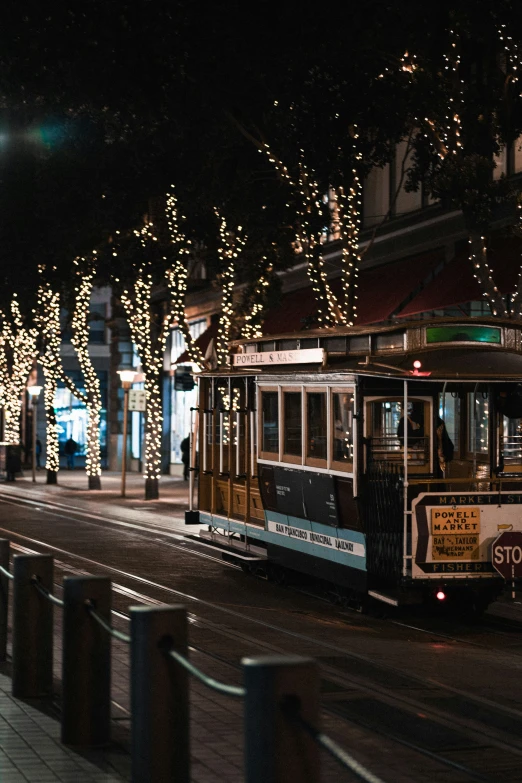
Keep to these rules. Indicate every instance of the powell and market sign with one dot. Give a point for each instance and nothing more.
(267, 358)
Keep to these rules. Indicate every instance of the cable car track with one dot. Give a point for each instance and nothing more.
(340, 679)
(169, 538)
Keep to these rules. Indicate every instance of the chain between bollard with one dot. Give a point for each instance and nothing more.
(8, 574)
(46, 593)
(122, 637)
(290, 708)
(221, 687)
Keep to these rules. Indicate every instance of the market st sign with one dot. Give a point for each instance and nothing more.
(267, 358)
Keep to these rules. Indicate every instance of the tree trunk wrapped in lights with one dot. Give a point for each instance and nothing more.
(17, 355)
(176, 276)
(80, 340)
(48, 322)
(48, 319)
(149, 331)
(344, 212)
(230, 247)
(457, 144)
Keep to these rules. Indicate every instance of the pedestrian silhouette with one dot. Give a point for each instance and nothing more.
(70, 449)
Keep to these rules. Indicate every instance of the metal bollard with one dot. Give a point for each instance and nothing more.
(277, 750)
(32, 627)
(160, 748)
(4, 597)
(86, 662)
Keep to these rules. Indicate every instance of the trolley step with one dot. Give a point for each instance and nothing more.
(237, 549)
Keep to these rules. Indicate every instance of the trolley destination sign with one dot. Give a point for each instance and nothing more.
(269, 358)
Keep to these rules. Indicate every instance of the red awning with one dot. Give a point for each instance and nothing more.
(291, 313)
(202, 343)
(384, 288)
(381, 291)
(456, 285)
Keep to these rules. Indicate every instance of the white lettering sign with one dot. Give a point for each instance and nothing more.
(137, 400)
(321, 539)
(306, 356)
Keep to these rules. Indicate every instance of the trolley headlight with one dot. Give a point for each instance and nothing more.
(440, 595)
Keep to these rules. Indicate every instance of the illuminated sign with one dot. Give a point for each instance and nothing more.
(463, 334)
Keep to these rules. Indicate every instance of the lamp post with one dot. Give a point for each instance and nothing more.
(34, 393)
(127, 379)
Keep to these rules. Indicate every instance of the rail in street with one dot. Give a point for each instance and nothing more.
(364, 695)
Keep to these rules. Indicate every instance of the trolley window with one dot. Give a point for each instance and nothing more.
(269, 411)
(511, 445)
(449, 412)
(478, 415)
(342, 429)
(384, 428)
(292, 429)
(316, 428)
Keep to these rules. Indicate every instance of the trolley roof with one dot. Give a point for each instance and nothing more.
(436, 349)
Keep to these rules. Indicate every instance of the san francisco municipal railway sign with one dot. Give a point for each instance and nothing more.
(506, 555)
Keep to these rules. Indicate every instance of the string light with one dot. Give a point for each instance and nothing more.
(230, 247)
(85, 273)
(256, 305)
(150, 338)
(446, 137)
(177, 275)
(308, 241)
(18, 351)
(47, 318)
(516, 303)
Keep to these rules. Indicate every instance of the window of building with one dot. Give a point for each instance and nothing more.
(316, 428)
(376, 196)
(72, 416)
(405, 201)
(97, 318)
(292, 429)
(269, 410)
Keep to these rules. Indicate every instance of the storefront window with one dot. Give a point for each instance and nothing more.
(316, 425)
(72, 417)
(292, 425)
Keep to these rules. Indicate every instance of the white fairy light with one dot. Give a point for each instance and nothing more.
(150, 339)
(18, 351)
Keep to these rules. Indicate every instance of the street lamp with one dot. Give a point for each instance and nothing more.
(34, 393)
(127, 379)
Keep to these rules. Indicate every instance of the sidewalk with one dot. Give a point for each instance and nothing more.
(168, 510)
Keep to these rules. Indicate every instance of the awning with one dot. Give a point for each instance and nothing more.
(202, 343)
(456, 285)
(384, 288)
(291, 313)
(381, 291)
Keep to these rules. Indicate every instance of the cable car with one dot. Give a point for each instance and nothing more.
(382, 461)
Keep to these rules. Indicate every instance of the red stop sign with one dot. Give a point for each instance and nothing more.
(506, 555)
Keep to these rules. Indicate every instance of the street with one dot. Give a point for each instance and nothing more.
(379, 674)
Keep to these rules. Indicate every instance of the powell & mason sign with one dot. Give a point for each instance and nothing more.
(266, 358)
